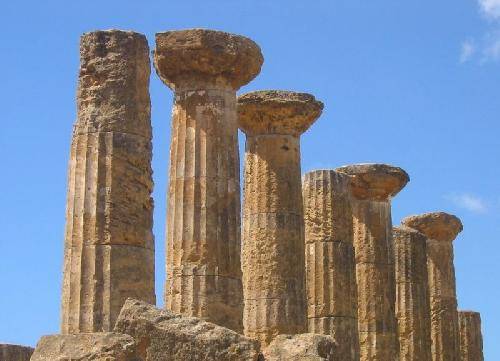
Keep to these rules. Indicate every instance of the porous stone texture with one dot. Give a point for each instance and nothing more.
(9, 352)
(273, 232)
(109, 246)
(330, 267)
(412, 295)
(372, 187)
(164, 336)
(441, 229)
(471, 338)
(205, 68)
(302, 347)
(105, 346)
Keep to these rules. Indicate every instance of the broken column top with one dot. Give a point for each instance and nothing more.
(277, 112)
(200, 55)
(375, 181)
(440, 226)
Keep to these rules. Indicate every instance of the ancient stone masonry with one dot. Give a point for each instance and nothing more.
(205, 68)
(372, 187)
(273, 238)
(441, 229)
(471, 338)
(10, 352)
(330, 267)
(412, 296)
(109, 246)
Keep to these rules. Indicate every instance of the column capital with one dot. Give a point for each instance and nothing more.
(277, 112)
(189, 57)
(375, 181)
(440, 226)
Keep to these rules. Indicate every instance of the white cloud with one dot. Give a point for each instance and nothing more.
(491, 8)
(492, 47)
(468, 49)
(469, 202)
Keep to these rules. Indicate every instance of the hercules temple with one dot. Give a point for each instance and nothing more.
(312, 268)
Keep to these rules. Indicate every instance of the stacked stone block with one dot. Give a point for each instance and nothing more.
(205, 68)
(330, 267)
(109, 246)
(273, 232)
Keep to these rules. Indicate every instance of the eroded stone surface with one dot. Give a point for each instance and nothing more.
(109, 246)
(86, 347)
(471, 338)
(277, 112)
(164, 336)
(442, 285)
(216, 57)
(205, 68)
(440, 226)
(303, 347)
(375, 181)
(9, 352)
(372, 187)
(273, 232)
(330, 265)
(412, 296)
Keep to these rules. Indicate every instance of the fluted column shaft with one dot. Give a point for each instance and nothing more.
(273, 241)
(443, 301)
(375, 279)
(203, 231)
(109, 246)
(471, 338)
(330, 266)
(412, 295)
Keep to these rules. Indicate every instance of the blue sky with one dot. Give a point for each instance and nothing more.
(413, 83)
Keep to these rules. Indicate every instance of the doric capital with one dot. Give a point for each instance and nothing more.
(277, 112)
(375, 181)
(437, 225)
(206, 56)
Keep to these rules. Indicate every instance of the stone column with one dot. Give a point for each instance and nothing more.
(412, 295)
(471, 338)
(372, 187)
(205, 68)
(441, 229)
(332, 301)
(109, 246)
(10, 352)
(273, 231)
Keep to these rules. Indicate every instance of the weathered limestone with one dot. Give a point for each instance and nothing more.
(441, 229)
(273, 233)
(109, 246)
(471, 338)
(330, 267)
(412, 295)
(306, 347)
(372, 187)
(164, 336)
(205, 68)
(105, 346)
(9, 352)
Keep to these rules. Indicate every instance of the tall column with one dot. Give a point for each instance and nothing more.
(441, 229)
(109, 245)
(205, 68)
(372, 187)
(471, 338)
(412, 295)
(273, 231)
(332, 301)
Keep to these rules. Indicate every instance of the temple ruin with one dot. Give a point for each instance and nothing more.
(308, 269)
